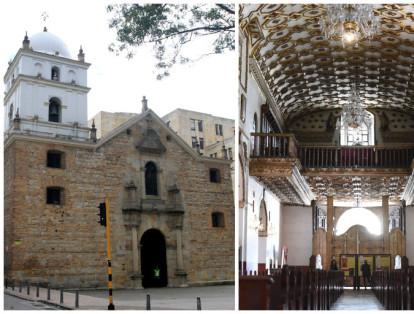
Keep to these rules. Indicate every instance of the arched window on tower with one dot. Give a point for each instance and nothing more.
(151, 184)
(55, 75)
(72, 77)
(55, 110)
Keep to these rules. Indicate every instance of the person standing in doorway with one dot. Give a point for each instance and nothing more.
(333, 266)
(366, 273)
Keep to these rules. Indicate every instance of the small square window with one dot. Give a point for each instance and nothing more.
(54, 159)
(215, 175)
(217, 220)
(54, 195)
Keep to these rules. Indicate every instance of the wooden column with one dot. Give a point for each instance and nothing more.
(385, 223)
(329, 230)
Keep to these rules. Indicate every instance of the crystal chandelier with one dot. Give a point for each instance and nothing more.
(353, 112)
(349, 23)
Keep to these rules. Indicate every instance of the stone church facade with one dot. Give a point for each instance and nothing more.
(170, 208)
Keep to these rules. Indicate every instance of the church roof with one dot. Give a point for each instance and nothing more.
(49, 43)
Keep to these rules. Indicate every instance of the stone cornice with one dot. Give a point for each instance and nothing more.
(45, 56)
(94, 146)
(47, 139)
(36, 80)
(257, 74)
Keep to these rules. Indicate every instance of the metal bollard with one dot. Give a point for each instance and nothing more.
(198, 304)
(20, 287)
(48, 292)
(28, 288)
(6, 283)
(148, 302)
(37, 290)
(77, 299)
(12, 285)
(61, 295)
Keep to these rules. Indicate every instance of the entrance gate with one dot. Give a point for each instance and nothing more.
(153, 259)
(351, 264)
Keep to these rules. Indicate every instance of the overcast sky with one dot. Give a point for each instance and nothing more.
(208, 85)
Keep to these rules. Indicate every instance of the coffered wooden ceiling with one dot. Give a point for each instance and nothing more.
(306, 72)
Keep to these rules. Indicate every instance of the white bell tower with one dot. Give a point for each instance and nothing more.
(46, 90)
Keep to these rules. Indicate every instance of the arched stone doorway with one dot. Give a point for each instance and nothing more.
(153, 259)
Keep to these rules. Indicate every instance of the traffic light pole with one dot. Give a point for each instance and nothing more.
(111, 305)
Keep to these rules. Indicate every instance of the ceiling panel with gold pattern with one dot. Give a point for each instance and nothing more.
(307, 72)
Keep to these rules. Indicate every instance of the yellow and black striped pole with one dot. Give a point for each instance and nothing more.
(111, 305)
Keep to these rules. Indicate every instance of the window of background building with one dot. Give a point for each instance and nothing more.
(194, 142)
(217, 220)
(200, 125)
(193, 124)
(54, 195)
(201, 143)
(215, 175)
(219, 129)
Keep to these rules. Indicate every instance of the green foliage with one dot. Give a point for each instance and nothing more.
(169, 27)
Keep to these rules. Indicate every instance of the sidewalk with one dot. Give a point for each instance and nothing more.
(212, 298)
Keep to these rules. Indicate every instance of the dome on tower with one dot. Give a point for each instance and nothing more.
(49, 43)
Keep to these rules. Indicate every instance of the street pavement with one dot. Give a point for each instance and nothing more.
(212, 298)
(13, 303)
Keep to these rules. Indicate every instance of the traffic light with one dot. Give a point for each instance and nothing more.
(102, 214)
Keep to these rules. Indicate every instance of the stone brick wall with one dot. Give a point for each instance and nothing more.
(65, 245)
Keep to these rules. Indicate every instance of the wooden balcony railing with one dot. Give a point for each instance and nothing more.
(356, 157)
(280, 145)
(277, 145)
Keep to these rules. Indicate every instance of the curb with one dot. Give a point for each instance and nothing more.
(61, 306)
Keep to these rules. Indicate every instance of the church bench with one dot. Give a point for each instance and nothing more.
(395, 289)
(290, 288)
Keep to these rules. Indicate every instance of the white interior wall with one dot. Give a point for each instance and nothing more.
(296, 230)
(271, 249)
(410, 234)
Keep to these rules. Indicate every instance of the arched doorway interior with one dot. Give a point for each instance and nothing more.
(153, 259)
(262, 254)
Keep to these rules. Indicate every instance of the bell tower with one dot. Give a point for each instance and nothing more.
(46, 90)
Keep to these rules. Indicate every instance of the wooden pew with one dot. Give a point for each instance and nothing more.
(290, 288)
(395, 289)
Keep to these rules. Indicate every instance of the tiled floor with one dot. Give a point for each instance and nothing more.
(357, 300)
